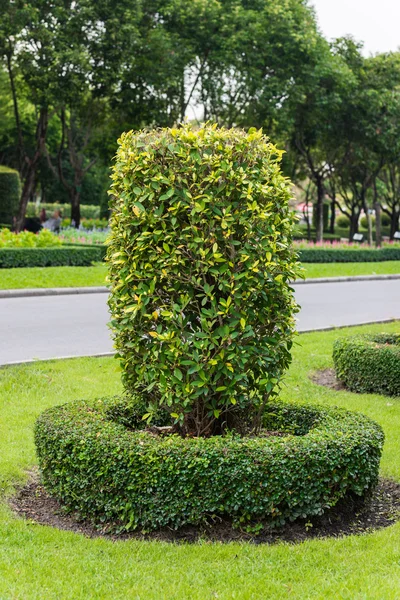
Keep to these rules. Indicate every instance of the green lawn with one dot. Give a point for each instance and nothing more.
(48, 277)
(38, 562)
(388, 267)
(51, 277)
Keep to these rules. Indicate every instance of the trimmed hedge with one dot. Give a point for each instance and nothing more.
(96, 461)
(75, 256)
(323, 255)
(369, 363)
(10, 191)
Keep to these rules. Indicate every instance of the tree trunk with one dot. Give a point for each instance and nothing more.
(75, 208)
(29, 185)
(353, 224)
(394, 223)
(378, 219)
(333, 216)
(320, 210)
(30, 178)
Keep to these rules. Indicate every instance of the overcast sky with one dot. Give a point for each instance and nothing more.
(375, 22)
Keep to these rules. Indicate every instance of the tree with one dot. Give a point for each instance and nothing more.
(35, 40)
(315, 121)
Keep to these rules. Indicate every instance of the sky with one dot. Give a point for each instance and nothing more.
(375, 22)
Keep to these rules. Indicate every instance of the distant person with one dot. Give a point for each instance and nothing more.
(54, 224)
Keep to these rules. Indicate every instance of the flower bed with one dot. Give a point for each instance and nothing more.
(369, 363)
(78, 236)
(96, 461)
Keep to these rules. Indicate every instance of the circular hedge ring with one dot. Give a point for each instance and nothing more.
(96, 461)
(369, 363)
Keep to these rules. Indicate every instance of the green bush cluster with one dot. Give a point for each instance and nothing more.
(369, 363)
(200, 261)
(27, 239)
(76, 256)
(10, 192)
(88, 211)
(385, 221)
(95, 461)
(342, 222)
(327, 255)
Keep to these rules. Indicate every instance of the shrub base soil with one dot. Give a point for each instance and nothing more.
(352, 515)
(327, 378)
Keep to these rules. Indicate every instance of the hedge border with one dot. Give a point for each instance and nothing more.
(77, 256)
(110, 473)
(369, 363)
(322, 255)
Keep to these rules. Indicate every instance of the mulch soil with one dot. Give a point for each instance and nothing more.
(327, 378)
(351, 516)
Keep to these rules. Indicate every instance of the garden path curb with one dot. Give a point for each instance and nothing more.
(349, 278)
(31, 292)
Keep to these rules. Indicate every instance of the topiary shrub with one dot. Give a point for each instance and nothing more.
(96, 460)
(200, 260)
(369, 363)
(10, 192)
(342, 221)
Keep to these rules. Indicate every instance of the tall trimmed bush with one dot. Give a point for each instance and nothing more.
(10, 192)
(200, 261)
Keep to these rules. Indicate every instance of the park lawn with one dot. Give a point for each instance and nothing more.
(387, 267)
(39, 562)
(53, 277)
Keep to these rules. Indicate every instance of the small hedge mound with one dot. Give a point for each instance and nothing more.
(10, 191)
(64, 256)
(369, 363)
(326, 255)
(94, 458)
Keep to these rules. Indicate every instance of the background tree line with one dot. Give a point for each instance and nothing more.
(75, 74)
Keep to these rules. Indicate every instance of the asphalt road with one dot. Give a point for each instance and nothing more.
(76, 325)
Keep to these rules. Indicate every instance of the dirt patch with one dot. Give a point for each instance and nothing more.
(351, 516)
(327, 378)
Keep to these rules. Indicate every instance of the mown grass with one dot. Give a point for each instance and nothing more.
(38, 562)
(52, 277)
(387, 267)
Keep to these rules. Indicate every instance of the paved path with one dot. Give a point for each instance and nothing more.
(76, 325)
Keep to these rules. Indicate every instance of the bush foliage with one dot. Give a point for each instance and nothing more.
(200, 258)
(10, 191)
(96, 461)
(27, 239)
(62, 256)
(369, 363)
(342, 221)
